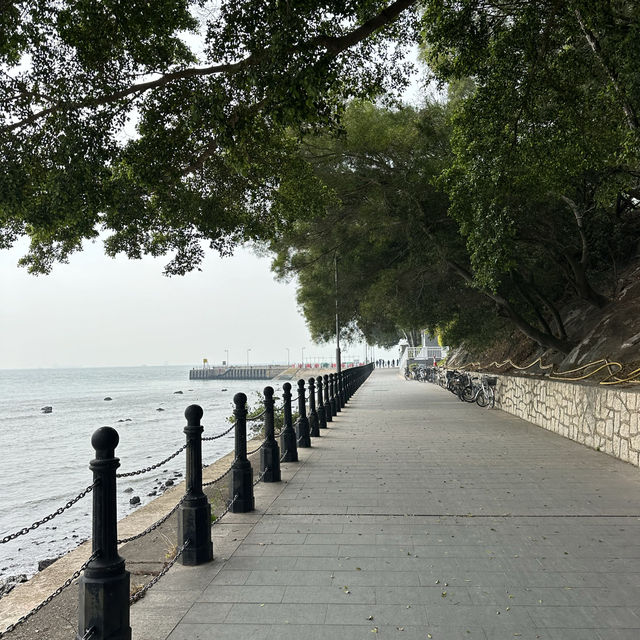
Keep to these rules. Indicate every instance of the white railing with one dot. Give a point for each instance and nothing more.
(424, 353)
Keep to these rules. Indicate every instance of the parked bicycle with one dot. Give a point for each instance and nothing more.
(480, 390)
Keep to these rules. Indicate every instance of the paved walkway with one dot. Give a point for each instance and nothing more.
(417, 516)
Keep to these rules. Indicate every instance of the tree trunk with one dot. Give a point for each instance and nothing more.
(543, 339)
(582, 284)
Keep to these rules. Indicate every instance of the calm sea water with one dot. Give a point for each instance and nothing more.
(45, 457)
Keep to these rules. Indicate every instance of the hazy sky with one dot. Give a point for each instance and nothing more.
(99, 311)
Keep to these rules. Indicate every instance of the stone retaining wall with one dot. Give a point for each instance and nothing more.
(603, 418)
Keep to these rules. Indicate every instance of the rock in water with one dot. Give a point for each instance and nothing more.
(159, 409)
(134, 500)
(43, 564)
(177, 392)
(108, 398)
(47, 409)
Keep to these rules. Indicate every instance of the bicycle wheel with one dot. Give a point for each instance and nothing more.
(481, 399)
(466, 393)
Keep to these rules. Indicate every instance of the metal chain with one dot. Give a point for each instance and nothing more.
(261, 476)
(284, 455)
(51, 516)
(153, 466)
(231, 428)
(212, 482)
(56, 593)
(250, 453)
(155, 525)
(224, 513)
(253, 418)
(140, 594)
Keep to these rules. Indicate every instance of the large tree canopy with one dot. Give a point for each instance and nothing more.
(210, 89)
(547, 145)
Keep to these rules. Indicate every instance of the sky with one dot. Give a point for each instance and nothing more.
(101, 311)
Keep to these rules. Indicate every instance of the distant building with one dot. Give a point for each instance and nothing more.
(425, 353)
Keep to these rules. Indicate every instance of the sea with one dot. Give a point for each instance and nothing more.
(44, 457)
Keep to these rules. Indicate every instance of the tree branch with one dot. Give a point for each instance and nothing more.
(632, 119)
(333, 46)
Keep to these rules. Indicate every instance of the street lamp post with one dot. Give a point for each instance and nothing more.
(248, 350)
(288, 356)
(338, 358)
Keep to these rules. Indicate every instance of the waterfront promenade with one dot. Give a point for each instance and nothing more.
(417, 516)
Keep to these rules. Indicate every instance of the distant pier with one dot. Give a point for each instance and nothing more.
(264, 372)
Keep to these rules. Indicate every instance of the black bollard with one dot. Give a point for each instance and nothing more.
(241, 490)
(104, 587)
(342, 399)
(302, 424)
(270, 452)
(332, 394)
(314, 424)
(194, 514)
(288, 442)
(328, 415)
(322, 421)
(338, 393)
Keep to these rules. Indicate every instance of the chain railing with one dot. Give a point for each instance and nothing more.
(220, 435)
(55, 594)
(138, 595)
(153, 466)
(109, 575)
(250, 453)
(212, 482)
(48, 518)
(262, 475)
(154, 526)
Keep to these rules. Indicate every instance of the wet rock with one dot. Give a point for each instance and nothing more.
(108, 398)
(134, 500)
(169, 483)
(177, 393)
(129, 490)
(152, 493)
(47, 409)
(43, 564)
(159, 409)
(10, 582)
(127, 419)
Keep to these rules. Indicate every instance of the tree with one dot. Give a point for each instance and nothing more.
(546, 145)
(213, 114)
(371, 200)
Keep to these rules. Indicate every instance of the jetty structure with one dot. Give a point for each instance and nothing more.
(259, 372)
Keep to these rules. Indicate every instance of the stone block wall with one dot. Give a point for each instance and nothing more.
(603, 418)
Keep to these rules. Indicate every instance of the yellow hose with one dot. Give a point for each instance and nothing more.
(611, 379)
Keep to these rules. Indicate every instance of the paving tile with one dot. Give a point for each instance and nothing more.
(386, 615)
(205, 613)
(268, 613)
(242, 593)
(207, 631)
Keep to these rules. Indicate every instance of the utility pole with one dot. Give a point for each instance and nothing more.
(338, 361)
